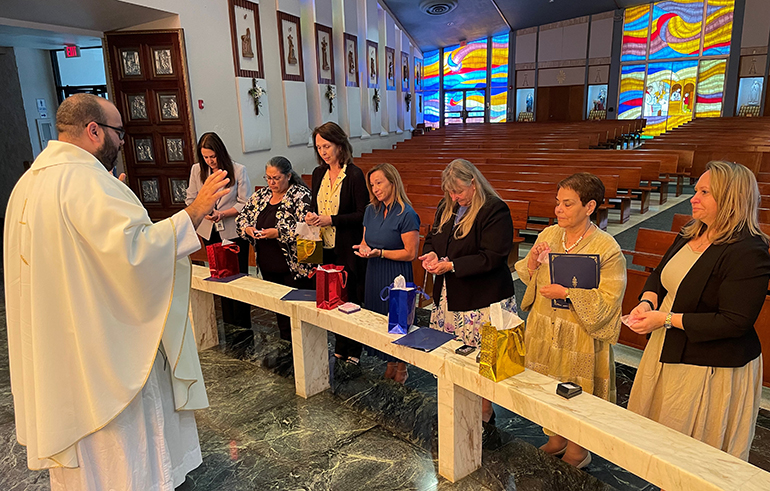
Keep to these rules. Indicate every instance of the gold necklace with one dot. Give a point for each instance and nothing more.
(564, 237)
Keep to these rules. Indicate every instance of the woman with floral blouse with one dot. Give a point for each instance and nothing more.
(268, 220)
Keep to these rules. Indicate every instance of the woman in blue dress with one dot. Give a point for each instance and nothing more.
(390, 243)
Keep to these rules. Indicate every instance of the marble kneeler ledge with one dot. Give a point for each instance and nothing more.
(660, 455)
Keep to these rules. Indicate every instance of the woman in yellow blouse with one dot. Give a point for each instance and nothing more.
(574, 345)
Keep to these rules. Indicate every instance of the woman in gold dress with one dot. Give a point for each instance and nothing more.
(574, 345)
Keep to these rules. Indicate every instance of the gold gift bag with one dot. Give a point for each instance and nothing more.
(310, 247)
(503, 351)
(310, 251)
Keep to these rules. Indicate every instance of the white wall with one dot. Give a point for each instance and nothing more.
(37, 82)
(211, 72)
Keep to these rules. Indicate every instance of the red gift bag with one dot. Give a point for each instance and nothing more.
(330, 281)
(223, 260)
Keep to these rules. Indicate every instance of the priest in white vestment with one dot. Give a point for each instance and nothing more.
(104, 369)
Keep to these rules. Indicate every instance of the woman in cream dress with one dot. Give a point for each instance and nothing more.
(701, 372)
(574, 345)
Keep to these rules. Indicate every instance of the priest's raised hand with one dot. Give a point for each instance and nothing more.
(213, 189)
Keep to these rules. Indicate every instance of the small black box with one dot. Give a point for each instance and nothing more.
(465, 350)
(568, 390)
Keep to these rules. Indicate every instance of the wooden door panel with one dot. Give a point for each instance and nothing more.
(150, 88)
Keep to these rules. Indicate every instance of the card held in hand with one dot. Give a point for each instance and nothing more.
(573, 271)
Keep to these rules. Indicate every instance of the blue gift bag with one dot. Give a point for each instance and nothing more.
(401, 306)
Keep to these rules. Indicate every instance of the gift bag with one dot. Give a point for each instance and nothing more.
(330, 281)
(309, 244)
(502, 345)
(401, 297)
(223, 259)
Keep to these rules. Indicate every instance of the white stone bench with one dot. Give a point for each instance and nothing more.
(652, 451)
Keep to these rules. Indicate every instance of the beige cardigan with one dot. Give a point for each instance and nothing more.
(574, 345)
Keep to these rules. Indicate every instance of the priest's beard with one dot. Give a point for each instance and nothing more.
(107, 154)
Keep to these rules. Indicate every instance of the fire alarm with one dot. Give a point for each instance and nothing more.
(200, 103)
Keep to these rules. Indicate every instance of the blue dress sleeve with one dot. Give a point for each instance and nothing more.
(410, 221)
(368, 215)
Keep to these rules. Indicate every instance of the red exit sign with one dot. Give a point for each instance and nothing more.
(71, 52)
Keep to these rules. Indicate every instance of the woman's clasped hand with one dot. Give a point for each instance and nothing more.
(432, 264)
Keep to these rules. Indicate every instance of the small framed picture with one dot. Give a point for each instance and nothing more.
(404, 72)
(162, 62)
(390, 68)
(290, 44)
(136, 107)
(168, 106)
(372, 66)
(130, 63)
(417, 73)
(150, 190)
(324, 54)
(246, 39)
(351, 60)
(178, 188)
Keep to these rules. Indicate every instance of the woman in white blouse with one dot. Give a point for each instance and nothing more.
(220, 224)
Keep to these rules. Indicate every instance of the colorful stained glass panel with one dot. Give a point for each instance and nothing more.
(430, 78)
(631, 92)
(465, 67)
(430, 109)
(676, 29)
(499, 68)
(498, 104)
(719, 27)
(711, 82)
(635, 30)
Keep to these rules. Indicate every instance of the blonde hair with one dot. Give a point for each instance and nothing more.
(460, 171)
(394, 178)
(734, 188)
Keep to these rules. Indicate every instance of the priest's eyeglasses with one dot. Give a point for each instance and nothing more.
(120, 131)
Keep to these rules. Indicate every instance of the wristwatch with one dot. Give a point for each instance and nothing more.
(667, 323)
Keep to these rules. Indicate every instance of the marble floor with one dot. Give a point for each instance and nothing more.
(366, 433)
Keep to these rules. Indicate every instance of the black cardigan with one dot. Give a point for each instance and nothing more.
(720, 299)
(349, 220)
(481, 275)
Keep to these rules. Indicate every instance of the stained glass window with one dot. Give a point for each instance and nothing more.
(635, 31)
(676, 27)
(465, 67)
(719, 27)
(631, 91)
(499, 66)
(430, 108)
(711, 82)
(498, 104)
(672, 83)
(430, 78)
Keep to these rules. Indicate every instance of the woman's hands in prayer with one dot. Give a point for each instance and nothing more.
(318, 220)
(554, 291)
(432, 264)
(265, 233)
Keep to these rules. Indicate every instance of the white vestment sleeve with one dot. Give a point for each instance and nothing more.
(186, 239)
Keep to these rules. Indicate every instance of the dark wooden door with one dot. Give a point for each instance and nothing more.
(560, 103)
(150, 89)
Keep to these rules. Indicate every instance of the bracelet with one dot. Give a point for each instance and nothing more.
(644, 300)
(382, 253)
(667, 324)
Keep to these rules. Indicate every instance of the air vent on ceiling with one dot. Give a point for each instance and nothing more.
(438, 7)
